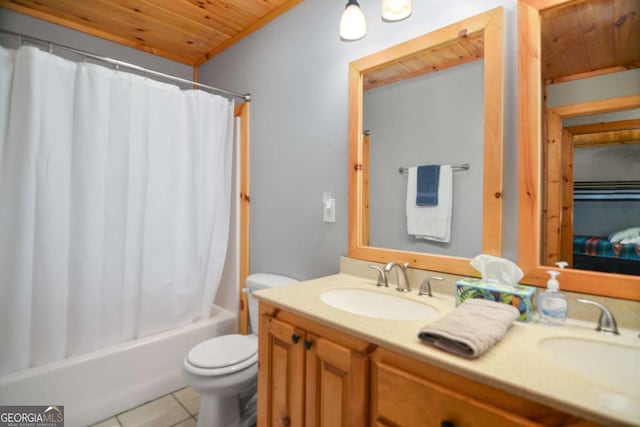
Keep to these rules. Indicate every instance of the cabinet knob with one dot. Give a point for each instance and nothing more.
(286, 421)
(295, 338)
(307, 344)
(447, 423)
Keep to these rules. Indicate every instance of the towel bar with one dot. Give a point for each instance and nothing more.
(462, 167)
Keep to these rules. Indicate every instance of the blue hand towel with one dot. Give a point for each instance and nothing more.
(427, 185)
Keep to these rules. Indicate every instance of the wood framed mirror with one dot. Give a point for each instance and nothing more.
(478, 37)
(543, 179)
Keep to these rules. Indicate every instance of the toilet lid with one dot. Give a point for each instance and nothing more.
(222, 351)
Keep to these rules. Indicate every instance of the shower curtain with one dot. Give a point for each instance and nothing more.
(114, 206)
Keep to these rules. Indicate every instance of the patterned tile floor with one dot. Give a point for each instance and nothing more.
(177, 409)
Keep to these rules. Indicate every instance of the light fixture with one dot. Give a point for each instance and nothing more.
(352, 23)
(395, 10)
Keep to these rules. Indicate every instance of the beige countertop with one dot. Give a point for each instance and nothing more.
(515, 364)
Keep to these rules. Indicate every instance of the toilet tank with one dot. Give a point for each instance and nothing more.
(258, 281)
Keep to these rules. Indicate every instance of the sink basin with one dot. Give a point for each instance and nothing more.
(377, 304)
(610, 365)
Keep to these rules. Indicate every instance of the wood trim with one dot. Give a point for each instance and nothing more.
(607, 139)
(586, 75)
(604, 127)
(356, 159)
(605, 134)
(242, 111)
(530, 169)
(465, 28)
(529, 136)
(554, 185)
(442, 263)
(366, 150)
(490, 24)
(566, 223)
(597, 107)
(250, 29)
(492, 213)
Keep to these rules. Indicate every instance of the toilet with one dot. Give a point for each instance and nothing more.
(224, 368)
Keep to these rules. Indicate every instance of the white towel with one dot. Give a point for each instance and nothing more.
(431, 222)
(471, 329)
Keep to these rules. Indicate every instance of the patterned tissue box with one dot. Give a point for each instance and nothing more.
(520, 296)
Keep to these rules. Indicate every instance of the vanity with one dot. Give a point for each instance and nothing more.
(320, 365)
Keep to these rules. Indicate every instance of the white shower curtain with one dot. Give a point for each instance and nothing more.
(114, 206)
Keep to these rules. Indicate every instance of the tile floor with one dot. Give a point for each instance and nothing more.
(177, 409)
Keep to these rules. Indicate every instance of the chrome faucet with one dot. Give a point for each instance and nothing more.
(607, 323)
(425, 288)
(403, 279)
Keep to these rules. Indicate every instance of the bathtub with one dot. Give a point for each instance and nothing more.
(97, 385)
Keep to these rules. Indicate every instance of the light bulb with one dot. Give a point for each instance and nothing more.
(396, 10)
(352, 23)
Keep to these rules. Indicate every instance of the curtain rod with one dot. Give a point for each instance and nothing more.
(246, 96)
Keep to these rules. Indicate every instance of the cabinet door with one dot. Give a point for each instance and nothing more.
(280, 374)
(405, 399)
(336, 385)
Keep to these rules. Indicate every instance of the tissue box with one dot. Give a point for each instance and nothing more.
(520, 296)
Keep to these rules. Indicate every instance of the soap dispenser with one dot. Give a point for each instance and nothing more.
(552, 304)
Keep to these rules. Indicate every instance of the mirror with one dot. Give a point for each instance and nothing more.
(434, 118)
(550, 53)
(592, 186)
(459, 44)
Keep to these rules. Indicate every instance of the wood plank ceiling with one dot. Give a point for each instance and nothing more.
(186, 31)
(460, 51)
(590, 37)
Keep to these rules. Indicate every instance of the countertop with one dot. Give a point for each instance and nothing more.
(515, 364)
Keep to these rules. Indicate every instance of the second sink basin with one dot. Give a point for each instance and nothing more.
(377, 304)
(610, 365)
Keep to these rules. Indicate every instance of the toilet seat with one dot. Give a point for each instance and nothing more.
(222, 355)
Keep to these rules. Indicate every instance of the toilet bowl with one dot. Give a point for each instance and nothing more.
(224, 368)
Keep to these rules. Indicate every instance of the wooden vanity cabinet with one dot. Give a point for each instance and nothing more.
(409, 393)
(310, 375)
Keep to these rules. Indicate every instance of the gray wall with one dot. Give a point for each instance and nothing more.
(33, 27)
(436, 118)
(296, 69)
(607, 163)
(611, 85)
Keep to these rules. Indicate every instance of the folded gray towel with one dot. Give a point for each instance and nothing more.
(472, 328)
